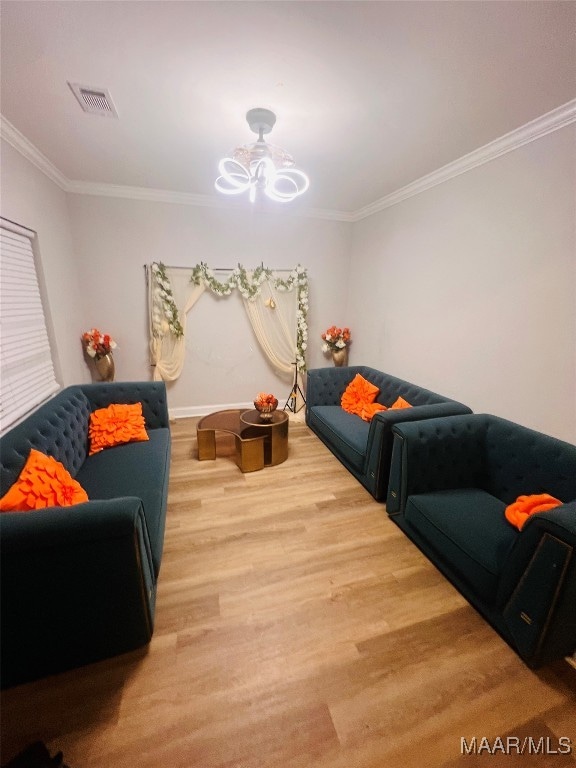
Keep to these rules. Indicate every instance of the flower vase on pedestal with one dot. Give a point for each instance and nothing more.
(105, 367)
(340, 357)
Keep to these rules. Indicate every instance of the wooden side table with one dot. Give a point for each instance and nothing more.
(257, 444)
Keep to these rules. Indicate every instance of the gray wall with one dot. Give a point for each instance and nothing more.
(31, 199)
(114, 238)
(470, 288)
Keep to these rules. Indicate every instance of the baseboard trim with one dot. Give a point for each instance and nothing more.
(189, 411)
(203, 410)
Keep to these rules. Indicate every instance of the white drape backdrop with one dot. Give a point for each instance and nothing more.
(273, 315)
(273, 318)
(167, 351)
(273, 309)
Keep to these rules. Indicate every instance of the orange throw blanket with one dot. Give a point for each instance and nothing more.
(524, 506)
(358, 398)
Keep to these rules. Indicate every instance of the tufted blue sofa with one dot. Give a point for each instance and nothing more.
(365, 448)
(450, 482)
(78, 584)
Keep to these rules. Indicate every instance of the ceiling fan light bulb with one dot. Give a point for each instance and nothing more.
(261, 167)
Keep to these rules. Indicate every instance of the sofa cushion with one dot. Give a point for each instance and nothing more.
(358, 398)
(43, 482)
(525, 506)
(400, 403)
(347, 433)
(117, 424)
(134, 469)
(467, 528)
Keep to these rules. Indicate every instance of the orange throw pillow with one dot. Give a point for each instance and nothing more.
(524, 506)
(358, 398)
(115, 425)
(43, 482)
(368, 410)
(400, 403)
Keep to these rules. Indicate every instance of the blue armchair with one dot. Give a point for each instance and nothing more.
(450, 482)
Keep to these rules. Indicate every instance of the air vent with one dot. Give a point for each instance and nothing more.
(95, 101)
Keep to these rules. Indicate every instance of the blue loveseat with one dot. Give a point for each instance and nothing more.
(450, 482)
(78, 584)
(365, 448)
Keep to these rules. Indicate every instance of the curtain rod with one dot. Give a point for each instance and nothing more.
(224, 269)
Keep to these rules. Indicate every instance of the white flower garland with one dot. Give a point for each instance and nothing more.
(164, 309)
(165, 313)
(250, 287)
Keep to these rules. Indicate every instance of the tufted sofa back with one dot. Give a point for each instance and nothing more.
(152, 395)
(58, 428)
(391, 388)
(522, 461)
(328, 384)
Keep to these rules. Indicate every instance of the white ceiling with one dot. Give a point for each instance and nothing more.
(369, 96)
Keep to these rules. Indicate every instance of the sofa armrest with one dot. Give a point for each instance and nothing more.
(432, 454)
(77, 585)
(395, 416)
(152, 395)
(559, 523)
(537, 588)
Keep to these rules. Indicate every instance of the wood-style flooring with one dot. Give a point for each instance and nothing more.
(296, 627)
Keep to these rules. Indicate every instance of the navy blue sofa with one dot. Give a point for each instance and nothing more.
(450, 482)
(365, 448)
(78, 584)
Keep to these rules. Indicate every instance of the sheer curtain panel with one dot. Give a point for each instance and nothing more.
(26, 369)
(167, 351)
(273, 318)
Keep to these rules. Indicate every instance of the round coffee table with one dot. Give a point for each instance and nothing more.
(275, 434)
(258, 443)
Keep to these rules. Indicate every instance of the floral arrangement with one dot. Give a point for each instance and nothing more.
(164, 307)
(97, 344)
(265, 402)
(336, 338)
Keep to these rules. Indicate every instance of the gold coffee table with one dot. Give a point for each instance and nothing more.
(258, 444)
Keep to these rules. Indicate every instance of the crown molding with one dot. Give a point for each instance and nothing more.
(185, 198)
(141, 193)
(535, 129)
(28, 150)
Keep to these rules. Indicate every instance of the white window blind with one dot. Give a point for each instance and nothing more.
(26, 369)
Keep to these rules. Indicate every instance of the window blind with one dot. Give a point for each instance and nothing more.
(26, 369)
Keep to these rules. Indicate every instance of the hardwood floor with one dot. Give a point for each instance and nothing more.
(296, 627)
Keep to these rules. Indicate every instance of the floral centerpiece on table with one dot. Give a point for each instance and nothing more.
(97, 344)
(265, 402)
(336, 338)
